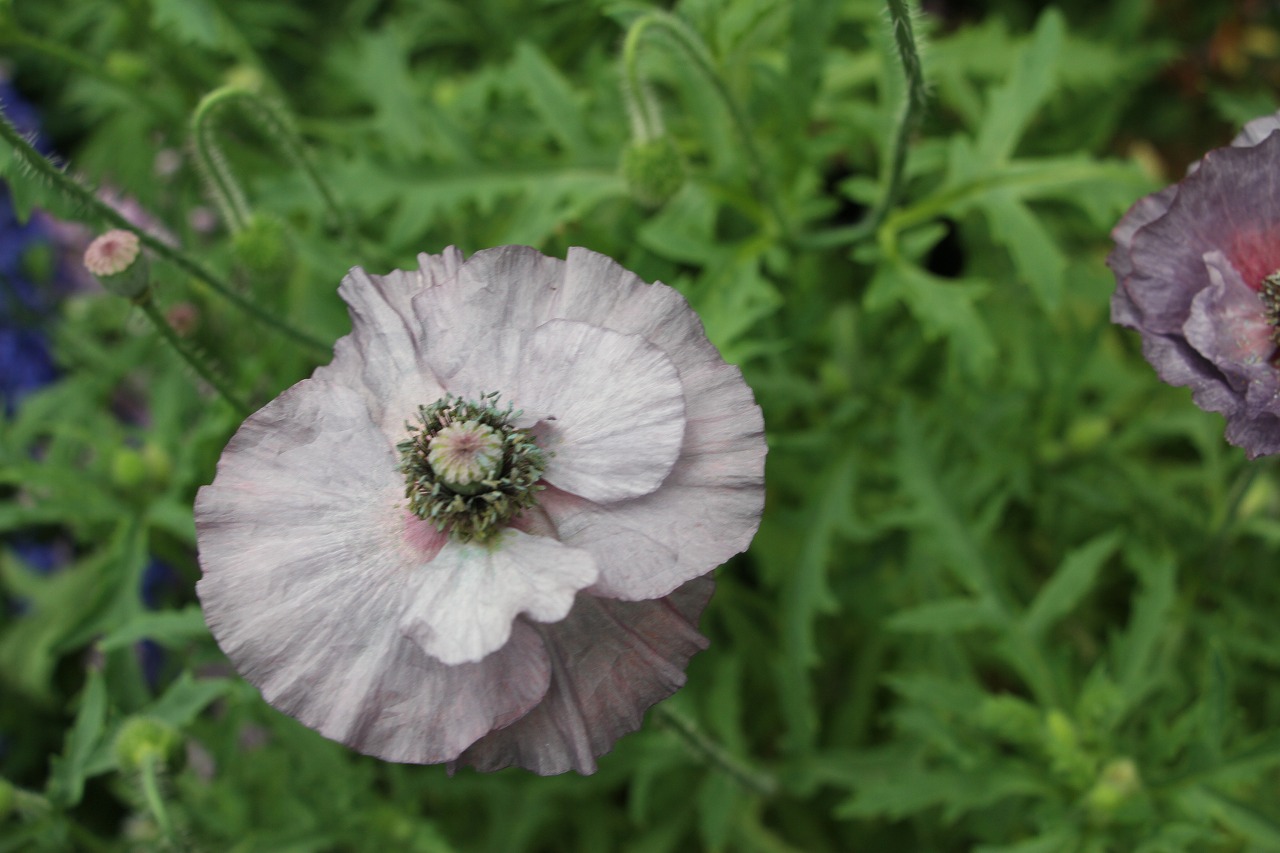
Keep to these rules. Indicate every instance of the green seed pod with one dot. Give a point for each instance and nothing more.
(263, 249)
(653, 170)
(144, 739)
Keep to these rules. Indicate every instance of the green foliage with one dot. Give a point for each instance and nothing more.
(1010, 594)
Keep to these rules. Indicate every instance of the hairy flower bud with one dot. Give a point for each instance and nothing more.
(653, 170)
(144, 739)
(263, 248)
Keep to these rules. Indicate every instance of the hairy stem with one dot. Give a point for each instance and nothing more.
(212, 164)
(155, 801)
(757, 781)
(909, 114)
(274, 121)
(82, 195)
(192, 357)
(648, 115)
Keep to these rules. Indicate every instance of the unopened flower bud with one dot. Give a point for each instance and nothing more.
(653, 170)
(145, 739)
(1118, 782)
(127, 66)
(1068, 759)
(263, 249)
(116, 259)
(141, 471)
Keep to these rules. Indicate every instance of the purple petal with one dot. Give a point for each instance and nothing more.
(1230, 204)
(1256, 131)
(611, 661)
(1228, 325)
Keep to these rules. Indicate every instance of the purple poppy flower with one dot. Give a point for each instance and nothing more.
(1197, 267)
(483, 534)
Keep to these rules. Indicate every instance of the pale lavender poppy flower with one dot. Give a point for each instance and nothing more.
(1197, 267)
(483, 534)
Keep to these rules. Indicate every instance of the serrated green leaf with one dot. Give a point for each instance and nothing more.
(914, 789)
(1215, 700)
(1069, 584)
(57, 605)
(1242, 819)
(551, 96)
(946, 617)
(166, 627)
(945, 308)
(1011, 107)
(1137, 650)
(1034, 251)
(186, 698)
(935, 511)
(1054, 841)
(68, 770)
(719, 802)
(196, 22)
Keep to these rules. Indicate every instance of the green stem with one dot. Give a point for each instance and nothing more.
(155, 802)
(696, 50)
(192, 357)
(757, 781)
(82, 195)
(908, 119)
(213, 167)
(12, 36)
(1235, 498)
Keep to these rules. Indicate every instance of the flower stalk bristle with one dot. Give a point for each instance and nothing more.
(467, 469)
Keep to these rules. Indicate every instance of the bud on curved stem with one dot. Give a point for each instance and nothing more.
(270, 117)
(646, 119)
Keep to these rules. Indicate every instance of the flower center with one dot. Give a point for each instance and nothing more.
(467, 468)
(465, 455)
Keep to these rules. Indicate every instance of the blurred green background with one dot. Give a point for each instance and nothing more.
(1010, 592)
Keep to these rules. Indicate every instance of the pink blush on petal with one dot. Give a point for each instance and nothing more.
(1255, 254)
(422, 536)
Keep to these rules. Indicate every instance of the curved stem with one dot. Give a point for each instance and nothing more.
(155, 801)
(192, 357)
(908, 118)
(696, 50)
(757, 781)
(86, 197)
(646, 118)
(275, 122)
(213, 167)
